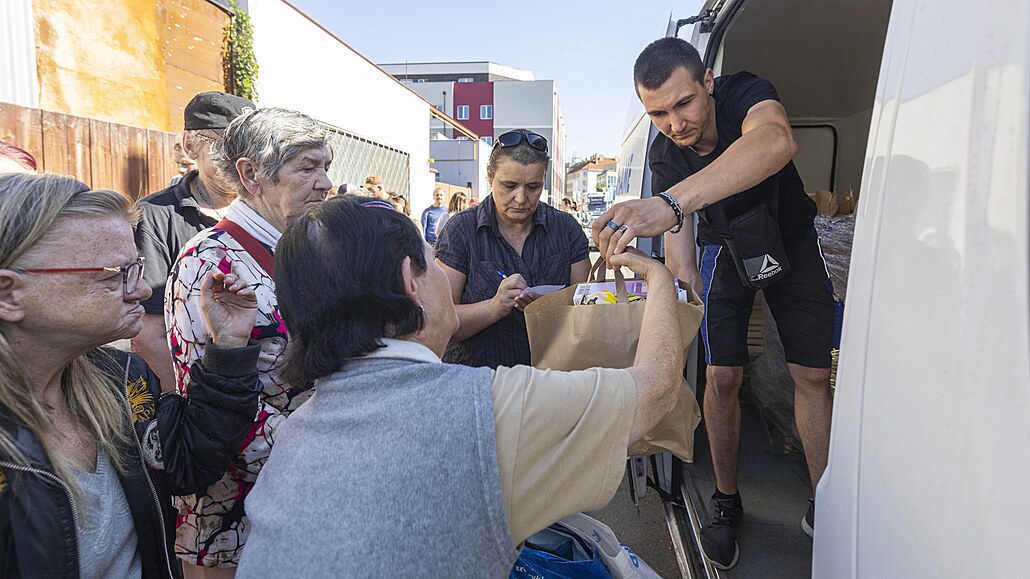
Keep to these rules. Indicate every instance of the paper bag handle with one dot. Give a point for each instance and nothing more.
(598, 272)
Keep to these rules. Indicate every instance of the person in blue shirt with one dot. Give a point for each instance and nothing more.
(432, 215)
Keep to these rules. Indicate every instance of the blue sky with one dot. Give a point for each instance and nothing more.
(587, 47)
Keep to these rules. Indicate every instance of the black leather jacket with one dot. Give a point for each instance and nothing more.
(182, 445)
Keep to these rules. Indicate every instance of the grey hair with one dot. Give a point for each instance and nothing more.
(522, 154)
(268, 137)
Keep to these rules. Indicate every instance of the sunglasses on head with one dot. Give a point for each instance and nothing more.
(516, 137)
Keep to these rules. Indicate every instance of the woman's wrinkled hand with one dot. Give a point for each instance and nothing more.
(229, 306)
(640, 264)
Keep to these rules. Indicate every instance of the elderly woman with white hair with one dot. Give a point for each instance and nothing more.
(276, 160)
(90, 452)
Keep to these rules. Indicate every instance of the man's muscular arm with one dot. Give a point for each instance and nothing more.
(765, 146)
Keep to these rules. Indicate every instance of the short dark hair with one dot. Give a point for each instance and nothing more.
(339, 284)
(661, 58)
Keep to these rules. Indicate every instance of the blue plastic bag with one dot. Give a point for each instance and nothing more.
(556, 553)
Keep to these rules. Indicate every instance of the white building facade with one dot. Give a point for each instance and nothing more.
(462, 162)
(382, 125)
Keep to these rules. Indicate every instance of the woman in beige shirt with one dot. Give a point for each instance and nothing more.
(404, 465)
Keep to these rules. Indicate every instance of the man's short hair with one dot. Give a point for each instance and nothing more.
(373, 180)
(661, 58)
(341, 304)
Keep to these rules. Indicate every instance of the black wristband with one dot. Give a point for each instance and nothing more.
(676, 209)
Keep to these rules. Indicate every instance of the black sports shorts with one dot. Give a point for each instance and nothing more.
(801, 303)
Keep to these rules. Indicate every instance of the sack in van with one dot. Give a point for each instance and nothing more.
(847, 203)
(825, 202)
(756, 246)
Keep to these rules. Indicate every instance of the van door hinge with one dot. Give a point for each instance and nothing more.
(705, 17)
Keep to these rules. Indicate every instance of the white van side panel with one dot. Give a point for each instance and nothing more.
(927, 473)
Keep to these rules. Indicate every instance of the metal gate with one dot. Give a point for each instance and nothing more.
(355, 158)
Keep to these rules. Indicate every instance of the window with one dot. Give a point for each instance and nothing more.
(422, 80)
(488, 140)
(463, 112)
(466, 79)
(486, 112)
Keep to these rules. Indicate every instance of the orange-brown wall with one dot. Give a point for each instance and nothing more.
(192, 37)
(132, 62)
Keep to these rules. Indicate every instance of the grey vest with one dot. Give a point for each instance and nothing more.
(390, 470)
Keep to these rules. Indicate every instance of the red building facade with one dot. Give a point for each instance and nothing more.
(474, 106)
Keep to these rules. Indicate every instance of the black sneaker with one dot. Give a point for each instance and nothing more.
(719, 538)
(808, 521)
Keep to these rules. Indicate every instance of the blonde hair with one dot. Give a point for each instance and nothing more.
(30, 206)
(459, 202)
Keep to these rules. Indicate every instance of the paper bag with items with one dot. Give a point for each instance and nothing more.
(567, 337)
(829, 203)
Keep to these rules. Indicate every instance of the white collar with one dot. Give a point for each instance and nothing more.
(244, 215)
(404, 350)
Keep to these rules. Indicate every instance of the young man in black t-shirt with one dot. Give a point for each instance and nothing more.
(727, 141)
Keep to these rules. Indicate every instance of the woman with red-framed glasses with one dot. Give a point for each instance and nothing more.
(90, 452)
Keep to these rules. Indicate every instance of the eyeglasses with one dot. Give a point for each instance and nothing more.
(131, 274)
(516, 137)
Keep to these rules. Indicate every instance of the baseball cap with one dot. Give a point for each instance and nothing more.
(214, 110)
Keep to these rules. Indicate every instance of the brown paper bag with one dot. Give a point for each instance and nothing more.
(825, 202)
(847, 203)
(567, 337)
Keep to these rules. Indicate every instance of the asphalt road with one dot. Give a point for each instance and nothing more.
(643, 531)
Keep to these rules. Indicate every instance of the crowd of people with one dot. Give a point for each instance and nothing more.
(322, 386)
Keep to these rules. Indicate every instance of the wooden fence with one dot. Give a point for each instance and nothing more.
(130, 160)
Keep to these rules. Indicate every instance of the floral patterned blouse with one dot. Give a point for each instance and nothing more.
(212, 526)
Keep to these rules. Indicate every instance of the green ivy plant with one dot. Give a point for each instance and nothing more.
(239, 64)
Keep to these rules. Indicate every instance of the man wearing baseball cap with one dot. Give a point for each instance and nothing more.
(173, 216)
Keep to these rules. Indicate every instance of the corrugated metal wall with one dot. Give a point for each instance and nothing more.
(18, 81)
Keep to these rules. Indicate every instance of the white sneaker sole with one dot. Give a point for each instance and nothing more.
(733, 563)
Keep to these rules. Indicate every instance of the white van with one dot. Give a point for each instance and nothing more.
(923, 108)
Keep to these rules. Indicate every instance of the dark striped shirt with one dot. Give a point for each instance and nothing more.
(472, 244)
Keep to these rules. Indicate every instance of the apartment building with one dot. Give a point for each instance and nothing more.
(490, 99)
(597, 174)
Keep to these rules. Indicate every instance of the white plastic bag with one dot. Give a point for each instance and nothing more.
(622, 563)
